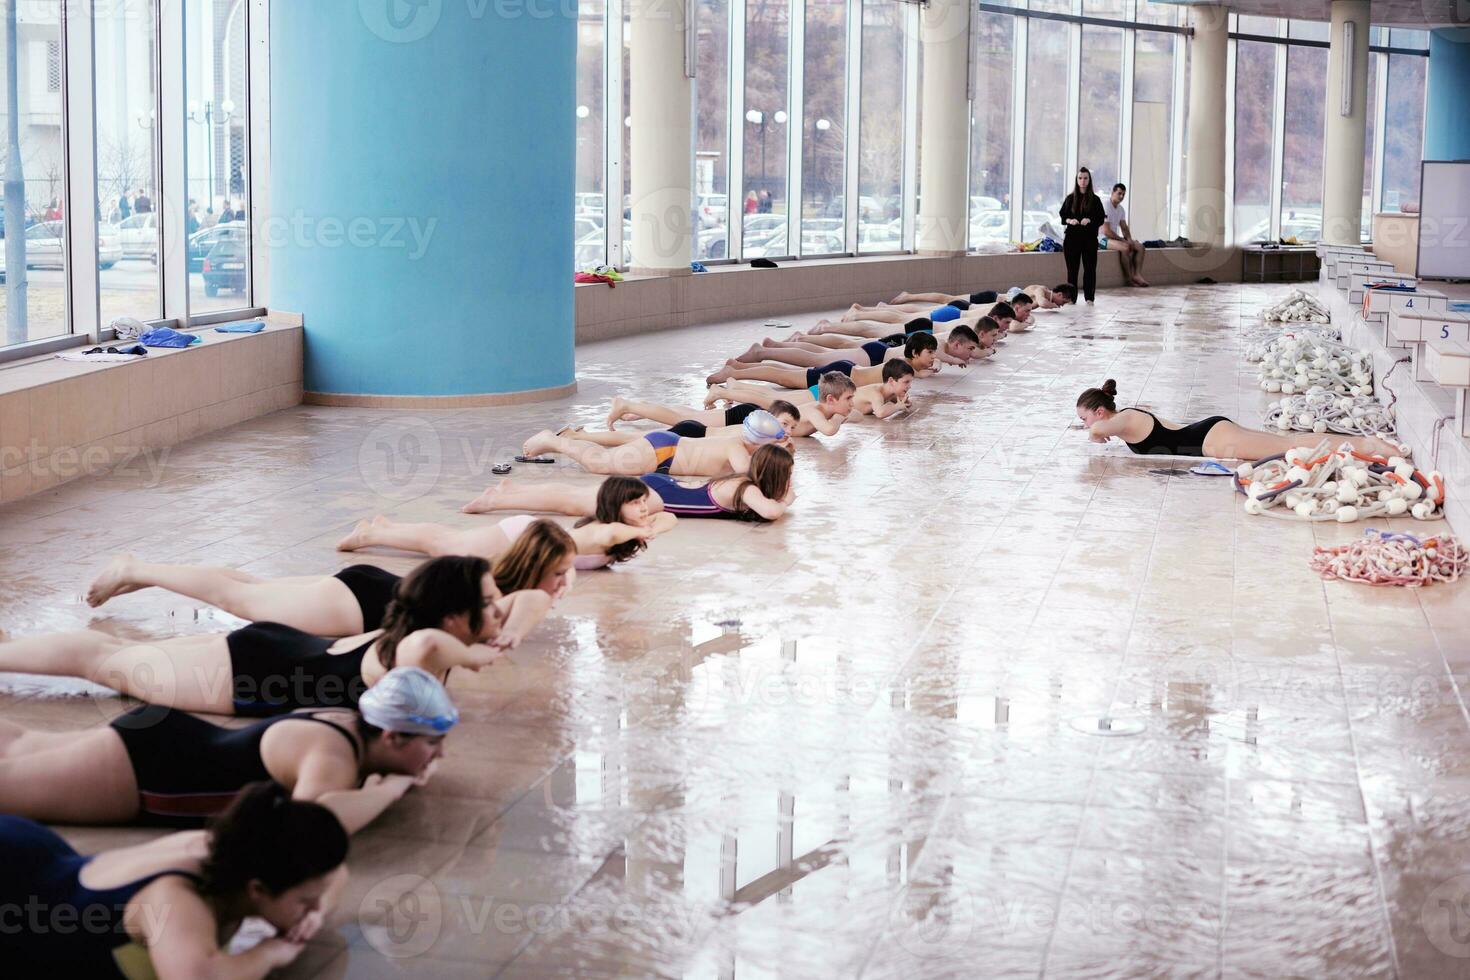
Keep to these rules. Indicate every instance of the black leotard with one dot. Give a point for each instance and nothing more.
(78, 931)
(1187, 440)
(735, 414)
(188, 769)
(689, 429)
(372, 587)
(279, 668)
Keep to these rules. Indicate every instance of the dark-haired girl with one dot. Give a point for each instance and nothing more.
(762, 495)
(1083, 215)
(620, 529)
(165, 767)
(440, 617)
(168, 908)
(1218, 437)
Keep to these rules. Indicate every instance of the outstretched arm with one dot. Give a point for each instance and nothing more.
(523, 612)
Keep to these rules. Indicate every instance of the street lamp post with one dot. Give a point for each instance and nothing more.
(821, 125)
(205, 115)
(758, 118)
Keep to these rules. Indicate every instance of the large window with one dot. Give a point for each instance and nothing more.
(1305, 125)
(712, 204)
(1100, 120)
(766, 116)
(880, 134)
(1255, 107)
(127, 162)
(1048, 173)
(990, 130)
(218, 158)
(591, 210)
(824, 111)
(1151, 187)
(1403, 146)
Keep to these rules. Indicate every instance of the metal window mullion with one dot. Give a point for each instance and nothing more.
(1229, 216)
(909, 188)
(1380, 136)
(79, 176)
(1176, 136)
(1278, 142)
(1018, 123)
(612, 132)
(853, 125)
(173, 175)
(795, 125)
(1074, 98)
(735, 123)
(258, 146)
(1125, 108)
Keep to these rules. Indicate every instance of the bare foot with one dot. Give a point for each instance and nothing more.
(754, 355)
(719, 377)
(542, 442)
(901, 298)
(822, 327)
(714, 396)
(114, 580)
(615, 412)
(359, 535)
(485, 502)
(798, 335)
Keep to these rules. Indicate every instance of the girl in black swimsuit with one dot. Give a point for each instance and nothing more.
(440, 617)
(177, 899)
(1147, 434)
(161, 766)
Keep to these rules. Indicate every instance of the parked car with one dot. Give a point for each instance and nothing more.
(45, 246)
(990, 226)
(224, 266)
(584, 226)
(812, 243)
(202, 242)
(711, 209)
(590, 203)
(139, 236)
(980, 202)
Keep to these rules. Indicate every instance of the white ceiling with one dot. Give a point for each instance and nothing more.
(1399, 13)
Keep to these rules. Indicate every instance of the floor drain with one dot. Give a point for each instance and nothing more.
(1108, 725)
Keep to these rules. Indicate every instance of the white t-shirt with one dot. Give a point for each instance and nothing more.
(1117, 214)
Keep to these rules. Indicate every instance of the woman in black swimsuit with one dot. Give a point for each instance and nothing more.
(168, 768)
(1147, 434)
(169, 907)
(439, 618)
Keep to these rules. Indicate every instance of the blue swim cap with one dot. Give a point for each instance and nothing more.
(944, 314)
(409, 700)
(762, 427)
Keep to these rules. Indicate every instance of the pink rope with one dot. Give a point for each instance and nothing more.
(1394, 560)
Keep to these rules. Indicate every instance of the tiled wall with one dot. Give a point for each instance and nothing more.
(60, 420)
(738, 291)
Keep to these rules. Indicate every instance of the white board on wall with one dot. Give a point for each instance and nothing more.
(1444, 220)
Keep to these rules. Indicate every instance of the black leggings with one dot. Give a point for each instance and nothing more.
(1082, 248)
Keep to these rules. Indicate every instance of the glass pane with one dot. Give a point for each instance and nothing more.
(1158, 13)
(1052, 6)
(1266, 26)
(625, 107)
(35, 172)
(1150, 189)
(824, 161)
(711, 151)
(1301, 174)
(1255, 104)
(1309, 30)
(1404, 140)
(1371, 108)
(1401, 38)
(1098, 129)
(127, 162)
(880, 138)
(1048, 175)
(1115, 9)
(990, 130)
(219, 250)
(765, 129)
(590, 213)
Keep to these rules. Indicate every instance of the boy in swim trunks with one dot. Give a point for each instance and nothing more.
(959, 346)
(719, 420)
(666, 452)
(920, 350)
(889, 397)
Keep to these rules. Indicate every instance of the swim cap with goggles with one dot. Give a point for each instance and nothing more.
(409, 700)
(762, 427)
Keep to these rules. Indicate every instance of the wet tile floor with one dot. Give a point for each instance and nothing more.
(864, 742)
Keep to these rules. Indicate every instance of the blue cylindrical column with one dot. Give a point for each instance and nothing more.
(422, 177)
(1446, 109)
